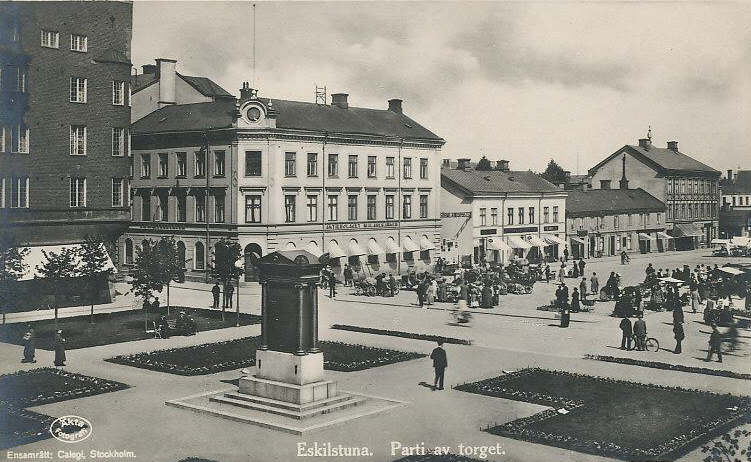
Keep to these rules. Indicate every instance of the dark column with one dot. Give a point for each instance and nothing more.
(300, 319)
(265, 316)
(313, 291)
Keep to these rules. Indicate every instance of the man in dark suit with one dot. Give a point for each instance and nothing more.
(439, 364)
(627, 333)
(332, 284)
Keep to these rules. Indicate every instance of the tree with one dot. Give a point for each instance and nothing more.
(484, 164)
(729, 448)
(94, 265)
(554, 173)
(223, 268)
(58, 268)
(12, 268)
(146, 275)
(172, 268)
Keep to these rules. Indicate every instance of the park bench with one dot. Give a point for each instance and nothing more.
(154, 327)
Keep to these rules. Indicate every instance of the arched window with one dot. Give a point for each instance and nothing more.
(200, 256)
(128, 251)
(181, 253)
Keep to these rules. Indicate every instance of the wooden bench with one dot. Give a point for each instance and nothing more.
(171, 323)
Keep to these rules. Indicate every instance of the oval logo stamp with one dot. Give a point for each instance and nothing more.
(70, 429)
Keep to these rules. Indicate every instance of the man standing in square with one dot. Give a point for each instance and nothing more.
(439, 364)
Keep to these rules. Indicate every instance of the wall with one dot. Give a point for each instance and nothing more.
(639, 175)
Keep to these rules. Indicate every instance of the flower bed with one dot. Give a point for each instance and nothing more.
(22, 427)
(236, 354)
(396, 333)
(612, 418)
(670, 367)
(47, 385)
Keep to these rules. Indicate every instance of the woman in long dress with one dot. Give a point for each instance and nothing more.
(59, 349)
(29, 346)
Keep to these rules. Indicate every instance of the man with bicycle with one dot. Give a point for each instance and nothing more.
(640, 332)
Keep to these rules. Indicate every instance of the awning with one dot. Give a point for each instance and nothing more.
(731, 270)
(392, 247)
(374, 248)
(537, 242)
(425, 244)
(314, 249)
(645, 237)
(498, 244)
(335, 251)
(355, 250)
(741, 241)
(686, 230)
(517, 243)
(720, 241)
(579, 240)
(662, 235)
(553, 239)
(35, 258)
(409, 245)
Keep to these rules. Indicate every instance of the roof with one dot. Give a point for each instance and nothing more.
(206, 86)
(141, 81)
(611, 201)
(741, 183)
(661, 159)
(490, 182)
(187, 117)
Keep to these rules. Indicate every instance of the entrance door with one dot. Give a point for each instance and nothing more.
(252, 254)
(612, 245)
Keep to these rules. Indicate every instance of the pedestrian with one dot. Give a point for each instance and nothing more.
(678, 317)
(59, 345)
(561, 274)
(575, 301)
(583, 288)
(695, 297)
(547, 274)
(582, 264)
(224, 298)
(640, 331)
(565, 316)
(575, 271)
(432, 290)
(421, 291)
(440, 363)
(332, 284)
(347, 275)
(229, 291)
(679, 336)
(29, 346)
(565, 254)
(463, 296)
(715, 344)
(215, 291)
(594, 284)
(626, 333)
(392, 284)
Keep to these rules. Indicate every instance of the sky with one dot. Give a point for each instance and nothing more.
(520, 81)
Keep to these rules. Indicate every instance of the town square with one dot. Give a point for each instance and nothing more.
(367, 231)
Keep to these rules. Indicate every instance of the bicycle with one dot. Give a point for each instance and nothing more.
(650, 344)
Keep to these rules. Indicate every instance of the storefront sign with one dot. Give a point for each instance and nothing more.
(528, 229)
(361, 225)
(485, 232)
(455, 214)
(551, 228)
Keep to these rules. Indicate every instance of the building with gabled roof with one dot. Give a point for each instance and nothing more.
(735, 214)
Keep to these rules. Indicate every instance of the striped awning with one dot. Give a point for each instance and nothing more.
(355, 250)
(498, 244)
(578, 240)
(517, 243)
(553, 239)
(392, 247)
(313, 248)
(335, 251)
(537, 242)
(374, 248)
(425, 244)
(686, 230)
(409, 245)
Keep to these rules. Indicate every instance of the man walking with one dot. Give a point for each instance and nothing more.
(715, 344)
(440, 364)
(679, 336)
(583, 288)
(640, 331)
(565, 254)
(215, 291)
(547, 274)
(228, 292)
(627, 333)
(332, 284)
(594, 284)
(582, 264)
(347, 275)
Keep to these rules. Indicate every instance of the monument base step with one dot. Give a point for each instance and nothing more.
(287, 392)
(298, 412)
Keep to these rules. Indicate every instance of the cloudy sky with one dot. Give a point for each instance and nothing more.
(519, 81)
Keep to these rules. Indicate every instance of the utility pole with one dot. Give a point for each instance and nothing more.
(205, 149)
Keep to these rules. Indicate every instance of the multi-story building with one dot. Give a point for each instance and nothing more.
(735, 214)
(491, 215)
(360, 184)
(688, 187)
(64, 116)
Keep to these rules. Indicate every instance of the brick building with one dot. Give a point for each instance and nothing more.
(64, 144)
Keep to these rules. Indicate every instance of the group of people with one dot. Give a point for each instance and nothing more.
(184, 325)
(29, 347)
(229, 290)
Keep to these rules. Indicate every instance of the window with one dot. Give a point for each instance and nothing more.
(253, 209)
(389, 206)
(77, 140)
(118, 92)
(200, 256)
(219, 209)
(630, 220)
(521, 215)
(128, 252)
(13, 78)
(312, 208)
(407, 207)
(78, 42)
(145, 208)
(510, 216)
(352, 166)
(78, 89)
(352, 208)
(333, 168)
(50, 39)
(407, 162)
(117, 192)
(182, 163)
(163, 208)
(615, 221)
(289, 208)
(289, 164)
(371, 207)
(371, 166)
(647, 218)
(670, 212)
(77, 192)
(19, 192)
(252, 163)
(312, 164)
(200, 166)
(531, 215)
(424, 207)
(181, 215)
(423, 169)
(200, 208)
(17, 136)
(659, 215)
(333, 208)
(545, 214)
(389, 167)
(145, 165)
(483, 218)
(555, 214)
(219, 163)
(118, 141)
(163, 165)
(604, 184)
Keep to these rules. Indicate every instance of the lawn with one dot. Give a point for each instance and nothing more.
(612, 418)
(235, 354)
(115, 327)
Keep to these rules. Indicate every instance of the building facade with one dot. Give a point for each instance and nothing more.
(360, 184)
(735, 214)
(688, 188)
(495, 215)
(65, 116)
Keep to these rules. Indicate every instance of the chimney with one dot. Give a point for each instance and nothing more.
(730, 174)
(166, 73)
(673, 146)
(503, 165)
(624, 180)
(149, 68)
(339, 100)
(645, 143)
(462, 164)
(395, 105)
(446, 163)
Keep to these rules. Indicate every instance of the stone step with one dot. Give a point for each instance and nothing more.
(295, 414)
(284, 404)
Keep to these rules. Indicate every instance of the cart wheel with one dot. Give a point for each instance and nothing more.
(652, 344)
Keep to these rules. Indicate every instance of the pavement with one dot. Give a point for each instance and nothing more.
(510, 337)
